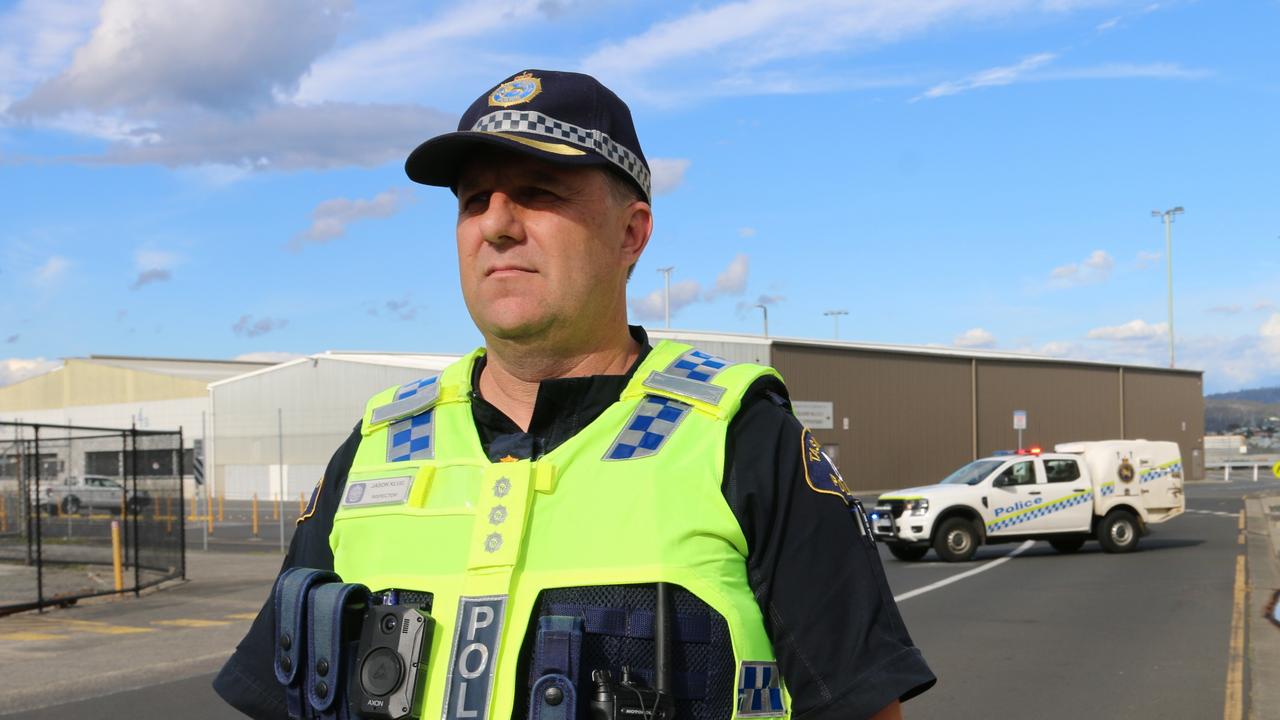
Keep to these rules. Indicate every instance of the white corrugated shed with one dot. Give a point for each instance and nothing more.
(315, 401)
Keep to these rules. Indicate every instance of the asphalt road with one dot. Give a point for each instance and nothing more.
(1036, 635)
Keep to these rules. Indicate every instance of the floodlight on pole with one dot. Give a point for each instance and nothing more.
(666, 293)
(835, 315)
(765, 310)
(1168, 216)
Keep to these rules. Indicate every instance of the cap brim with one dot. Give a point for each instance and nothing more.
(438, 160)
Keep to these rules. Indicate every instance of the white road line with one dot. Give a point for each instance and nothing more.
(968, 573)
(1219, 513)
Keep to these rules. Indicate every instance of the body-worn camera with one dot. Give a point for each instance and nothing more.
(389, 670)
(628, 699)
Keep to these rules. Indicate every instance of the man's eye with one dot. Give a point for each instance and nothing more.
(474, 201)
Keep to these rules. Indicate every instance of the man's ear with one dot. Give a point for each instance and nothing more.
(638, 230)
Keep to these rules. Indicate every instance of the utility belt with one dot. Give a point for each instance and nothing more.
(344, 652)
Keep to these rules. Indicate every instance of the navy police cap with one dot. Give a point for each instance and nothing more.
(561, 117)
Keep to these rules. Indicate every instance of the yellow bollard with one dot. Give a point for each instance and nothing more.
(208, 517)
(302, 503)
(117, 557)
(4, 516)
(220, 496)
(192, 515)
(275, 509)
(255, 514)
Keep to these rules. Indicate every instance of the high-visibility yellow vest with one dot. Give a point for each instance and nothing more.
(635, 497)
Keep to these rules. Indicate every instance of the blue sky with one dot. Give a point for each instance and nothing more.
(224, 179)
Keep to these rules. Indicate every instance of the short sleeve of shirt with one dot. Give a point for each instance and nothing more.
(247, 681)
(840, 642)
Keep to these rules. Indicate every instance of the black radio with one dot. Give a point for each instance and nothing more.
(389, 671)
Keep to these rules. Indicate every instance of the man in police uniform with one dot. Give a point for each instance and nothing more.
(568, 465)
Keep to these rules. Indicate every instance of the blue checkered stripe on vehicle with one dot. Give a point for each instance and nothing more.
(1159, 472)
(412, 438)
(1108, 488)
(760, 691)
(649, 427)
(1039, 511)
(697, 365)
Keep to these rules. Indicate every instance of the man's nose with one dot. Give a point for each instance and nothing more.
(500, 224)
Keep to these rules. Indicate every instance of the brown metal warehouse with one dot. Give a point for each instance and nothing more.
(903, 415)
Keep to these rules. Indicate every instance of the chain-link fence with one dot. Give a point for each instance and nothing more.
(87, 511)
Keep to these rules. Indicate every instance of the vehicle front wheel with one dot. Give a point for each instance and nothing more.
(1067, 545)
(71, 504)
(1118, 532)
(907, 553)
(956, 541)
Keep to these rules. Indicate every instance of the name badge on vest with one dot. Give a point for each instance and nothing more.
(476, 635)
(385, 491)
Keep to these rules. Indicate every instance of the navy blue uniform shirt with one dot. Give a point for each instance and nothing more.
(840, 643)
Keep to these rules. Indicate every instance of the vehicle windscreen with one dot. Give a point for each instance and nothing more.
(973, 473)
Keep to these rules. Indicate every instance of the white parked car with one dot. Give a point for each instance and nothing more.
(1111, 490)
(91, 492)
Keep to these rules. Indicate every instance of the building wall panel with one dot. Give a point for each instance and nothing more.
(910, 416)
(1063, 402)
(1167, 406)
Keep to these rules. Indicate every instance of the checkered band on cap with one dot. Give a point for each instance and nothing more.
(535, 123)
(412, 438)
(648, 429)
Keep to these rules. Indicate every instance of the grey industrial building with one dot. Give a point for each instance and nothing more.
(891, 416)
(900, 416)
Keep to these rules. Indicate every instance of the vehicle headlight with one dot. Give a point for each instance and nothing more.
(918, 507)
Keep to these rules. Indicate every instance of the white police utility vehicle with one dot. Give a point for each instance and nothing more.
(1112, 490)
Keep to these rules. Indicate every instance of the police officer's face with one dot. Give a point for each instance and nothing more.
(544, 249)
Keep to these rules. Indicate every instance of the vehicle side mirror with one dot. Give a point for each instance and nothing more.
(1000, 481)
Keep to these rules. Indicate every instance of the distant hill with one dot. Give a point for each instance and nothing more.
(1225, 411)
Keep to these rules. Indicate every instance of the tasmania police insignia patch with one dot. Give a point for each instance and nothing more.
(819, 472)
(311, 504)
(519, 89)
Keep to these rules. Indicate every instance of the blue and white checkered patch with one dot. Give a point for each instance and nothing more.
(648, 429)
(412, 438)
(760, 690)
(408, 390)
(1108, 489)
(697, 365)
(1024, 516)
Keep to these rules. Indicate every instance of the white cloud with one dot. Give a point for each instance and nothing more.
(51, 271)
(36, 40)
(733, 281)
(1094, 269)
(1110, 24)
(1004, 75)
(1270, 334)
(1226, 309)
(286, 137)
(975, 338)
(651, 306)
(14, 369)
(746, 232)
(329, 219)
(1125, 71)
(153, 266)
(246, 326)
(230, 54)
(667, 174)
(1264, 306)
(1134, 330)
(1147, 258)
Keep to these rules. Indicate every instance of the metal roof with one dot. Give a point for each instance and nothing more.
(206, 370)
(694, 336)
(420, 361)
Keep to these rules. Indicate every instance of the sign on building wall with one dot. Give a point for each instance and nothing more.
(1019, 419)
(814, 414)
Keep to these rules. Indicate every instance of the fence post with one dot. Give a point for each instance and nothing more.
(182, 527)
(222, 492)
(137, 569)
(4, 516)
(1227, 475)
(39, 540)
(1255, 472)
(116, 559)
(255, 514)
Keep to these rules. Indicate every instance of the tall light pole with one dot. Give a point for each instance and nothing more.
(835, 315)
(765, 309)
(1168, 256)
(666, 293)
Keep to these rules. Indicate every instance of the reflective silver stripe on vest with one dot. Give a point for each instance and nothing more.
(649, 427)
(696, 389)
(410, 399)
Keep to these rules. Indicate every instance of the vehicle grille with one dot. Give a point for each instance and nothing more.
(897, 507)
